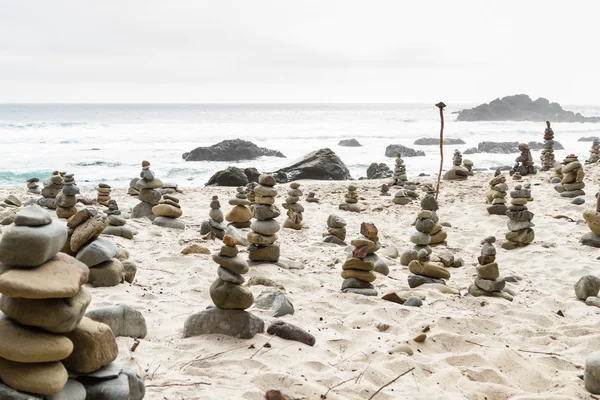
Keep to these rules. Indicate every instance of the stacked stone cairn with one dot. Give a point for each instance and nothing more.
(519, 220)
(523, 163)
(350, 200)
(336, 230)
(385, 190)
(594, 152)
(149, 196)
(133, 190)
(167, 211)
(547, 156)
(67, 198)
(488, 281)
(294, 209)
(437, 234)
(103, 190)
(357, 270)
(52, 187)
(496, 196)
(425, 269)
(264, 226)
(457, 172)
(468, 164)
(310, 198)
(230, 298)
(117, 223)
(240, 215)
(592, 218)
(48, 349)
(401, 198)
(399, 177)
(572, 183)
(250, 192)
(33, 186)
(215, 222)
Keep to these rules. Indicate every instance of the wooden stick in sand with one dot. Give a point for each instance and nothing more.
(441, 106)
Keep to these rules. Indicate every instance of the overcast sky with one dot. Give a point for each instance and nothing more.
(298, 51)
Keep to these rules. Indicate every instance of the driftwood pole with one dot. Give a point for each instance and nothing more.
(441, 106)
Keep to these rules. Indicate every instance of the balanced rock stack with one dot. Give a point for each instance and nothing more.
(496, 196)
(437, 233)
(45, 338)
(523, 163)
(310, 198)
(357, 270)
(230, 299)
(457, 172)
(116, 222)
(103, 194)
(425, 270)
(488, 281)
(425, 224)
(547, 156)
(594, 152)
(519, 220)
(336, 230)
(240, 215)
(592, 218)
(33, 186)
(167, 211)
(215, 221)
(351, 200)
(399, 177)
(400, 197)
(67, 198)
(264, 226)
(572, 183)
(294, 209)
(52, 187)
(149, 195)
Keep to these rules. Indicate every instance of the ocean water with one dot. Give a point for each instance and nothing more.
(108, 142)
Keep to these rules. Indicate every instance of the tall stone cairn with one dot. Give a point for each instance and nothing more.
(149, 195)
(357, 270)
(547, 155)
(594, 152)
(240, 215)
(519, 220)
(264, 226)
(571, 184)
(488, 281)
(496, 196)
(67, 198)
(293, 207)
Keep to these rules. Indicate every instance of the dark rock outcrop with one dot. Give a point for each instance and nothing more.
(230, 150)
(507, 147)
(378, 171)
(588, 139)
(520, 107)
(321, 164)
(349, 143)
(540, 145)
(233, 176)
(436, 141)
(471, 150)
(393, 149)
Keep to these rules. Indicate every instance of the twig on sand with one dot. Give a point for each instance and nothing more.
(441, 106)
(477, 344)
(539, 352)
(392, 381)
(362, 373)
(324, 396)
(263, 346)
(185, 364)
(180, 384)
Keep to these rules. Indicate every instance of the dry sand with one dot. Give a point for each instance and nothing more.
(476, 348)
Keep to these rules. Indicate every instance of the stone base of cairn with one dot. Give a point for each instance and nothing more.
(230, 299)
(488, 281)
(47, 346)
(240, 215)
(457, 172)
(33, 186)
(547, 155)
(310, 198)
(166, 213)
(52, 187)
(350, 200)
(336, 230)
(592, 218)
(215, 222)
(496, 196)
(424, 269)
(524, 163)
(399, 176)
(264, 226)
(117, 223)
(103, 193)
(67, 198)
(294, 209)
(571, 184)
(149, 195)
(594, 152)
(357, 270)
(519, 220)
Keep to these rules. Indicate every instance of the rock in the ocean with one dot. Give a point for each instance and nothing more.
(393, 149)
(436, 141)
(230, 150)
(349, 143)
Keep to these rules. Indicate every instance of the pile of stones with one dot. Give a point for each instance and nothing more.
(103, 190)
(399, 177)
(587, 289)
(437, 233)
(519, 220)
(264, 226)
(350, 200)
(52, 187)
(523, 163)
(294, 209)
(457, 172)
(149, 196)
(496, 196)
(488, 281)
(310, 198)
(336, 230)
(240, 215)
(424, 269)
(400, 197)
(592, 218)
(230, 298)
(117, 223)
(357, 270)
(547, 156)
(215, 222)
(571, 184)
(47, 346)
(33, 186)
(167, 211)
(67, 198)
(594, 153)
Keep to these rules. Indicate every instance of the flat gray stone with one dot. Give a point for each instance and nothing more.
(418, 280)
(32, 246)
(364, 292)
(590, 239)
(137, 389)
(122, 319)
(97, 252)
(276, 303)
(73, 390)
(33, 215)
(236, 323)
(413, 301)
(593, 301)
(8, 393)
(165, 222)
(111, 389)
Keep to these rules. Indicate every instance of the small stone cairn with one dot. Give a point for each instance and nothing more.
(215, 221)
(52, 187)
(103, 190)
(424, 270)
(592, 218)
(547, 155)
(438, 235)
(264, 226)
(336, 230)
(294, 209)
(399, 178)
(33, 186)
(230, 298)
(457, 172)
(488, 281)
(149, 195)
(47, 346)
(310, 198)
(523, 163)
(117, 223)
(167, 213)
(594, 152)
(496, 196)
(67, 198)
(572, 183)
(401, 198)
(350, 200)
(240, 215)
(357, 270)
(519, 220)
(385, 190)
